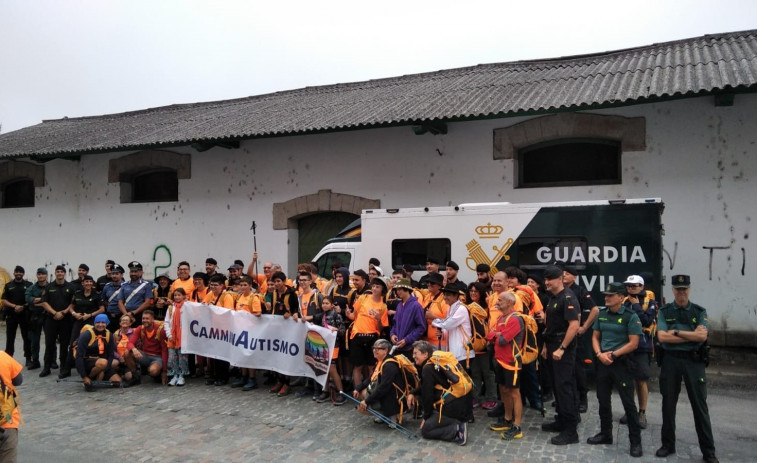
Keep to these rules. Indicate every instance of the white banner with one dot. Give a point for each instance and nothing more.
(268, 342)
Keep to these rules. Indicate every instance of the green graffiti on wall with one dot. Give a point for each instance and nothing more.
(159, 267)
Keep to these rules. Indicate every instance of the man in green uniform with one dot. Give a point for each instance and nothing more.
(616, 335)
(682, 329)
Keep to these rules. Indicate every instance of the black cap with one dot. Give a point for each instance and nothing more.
(110, 262)
(134, 265)
(433, 260)
(239, 263)
(615, 287)
(453, 264)
(570, 268)
(483, 268)
(681, 281)
(210, 260)
(84, 267)
(60, 267)
(88, 278)
(435, 278)
(117, 269)
(538, 279)
(42, 271)
(19, 269)
(451, 289)
(374, 261)
(552, 272)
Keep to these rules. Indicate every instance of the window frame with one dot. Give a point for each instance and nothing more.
(523, 153)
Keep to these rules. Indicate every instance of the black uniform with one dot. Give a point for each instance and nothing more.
(583, 344)
(85, 305)
(680, 361)
(15, 293)
(561, 309)
(59, 297)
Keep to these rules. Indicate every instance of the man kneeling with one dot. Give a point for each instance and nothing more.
(94, 354)
(147, 348)
(383, 390)
(447, 422)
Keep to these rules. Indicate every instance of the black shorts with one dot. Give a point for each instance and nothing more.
(89, 363)
(506, 377)
(640, 365)
(361, 349)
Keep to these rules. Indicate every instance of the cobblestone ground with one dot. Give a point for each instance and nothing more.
(198, 423)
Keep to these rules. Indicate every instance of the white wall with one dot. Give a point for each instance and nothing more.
(700, 159)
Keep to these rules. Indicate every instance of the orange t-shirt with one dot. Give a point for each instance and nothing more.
(305, 302)
(225, 301)
(249, 304)
(188, 285)
(365, 323)
(438, 309)
(201, 293)
(494, 312)
(175, 314)
(9, 369)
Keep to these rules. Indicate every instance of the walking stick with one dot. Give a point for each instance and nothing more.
(255, 248)
(98, 384)
(408, 433)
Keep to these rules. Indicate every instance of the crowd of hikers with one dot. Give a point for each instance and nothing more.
(434, 348)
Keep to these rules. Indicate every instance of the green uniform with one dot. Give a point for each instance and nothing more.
(680, 362)
(614, 329)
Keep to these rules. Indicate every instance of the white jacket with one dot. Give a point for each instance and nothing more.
(458, 329)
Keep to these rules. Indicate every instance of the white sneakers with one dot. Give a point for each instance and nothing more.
(180, 382)
(173, 381)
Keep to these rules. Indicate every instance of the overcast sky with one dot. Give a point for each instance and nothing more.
(69, 58)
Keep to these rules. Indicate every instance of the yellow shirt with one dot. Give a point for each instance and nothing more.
(250, 303)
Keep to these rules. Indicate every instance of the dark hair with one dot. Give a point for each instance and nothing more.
(279, 276)
(149, 312)
(517, 273)
(398, 272)
(180, 291)
(314, 266)
(239, 263)
(424, 347)
(330, 299)
(183, 262)
(481, 288)
(247, 279)
(306, 274)
(203, 276)
(218, 278)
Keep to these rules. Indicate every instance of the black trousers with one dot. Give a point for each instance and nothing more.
(444, 430)
(54, 330)
(693, 374)
(580, 371)
(35, 334)
(14, 320)
(564, 385)
(619, 376)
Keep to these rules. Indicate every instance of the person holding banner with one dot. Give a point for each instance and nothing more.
(285, 304)
(219, 298)
(248, 301)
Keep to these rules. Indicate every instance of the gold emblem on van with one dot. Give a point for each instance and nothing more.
(477, 255)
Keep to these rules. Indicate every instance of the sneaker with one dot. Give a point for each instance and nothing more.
(275, 389)
(624, 419)
(462, 434)
(501, 425)
(488, 405)
(341, 400)
(324, 397)
(180, 381)
(239, 382)
(284, 390)
(513, 433)
(250, 385)
(565, 438)
(173, 381)
(643, 420)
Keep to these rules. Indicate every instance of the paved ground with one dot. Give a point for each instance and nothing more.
(198, 423)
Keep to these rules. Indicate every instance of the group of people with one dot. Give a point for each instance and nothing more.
(116, 330)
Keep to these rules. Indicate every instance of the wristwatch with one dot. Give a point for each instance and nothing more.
(612, 355)
(561, 347)
(675, 333)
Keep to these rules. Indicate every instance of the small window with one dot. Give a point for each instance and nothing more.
(155, 186)
(569, 163)
(18, 193)
(414, 252)
(327, 260)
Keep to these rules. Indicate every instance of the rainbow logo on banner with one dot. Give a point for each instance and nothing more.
(317, 354)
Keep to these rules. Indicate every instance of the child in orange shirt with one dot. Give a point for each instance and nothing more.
(177, 362)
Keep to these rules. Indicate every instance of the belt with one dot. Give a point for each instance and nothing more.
(365, 335)
(681, 354)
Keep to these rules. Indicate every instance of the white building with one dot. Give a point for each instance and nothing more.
(676, 120)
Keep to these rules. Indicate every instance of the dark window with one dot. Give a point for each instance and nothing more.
(155, 186)
(569, 163)
(18, 193)
(414, 252)
(327, 260)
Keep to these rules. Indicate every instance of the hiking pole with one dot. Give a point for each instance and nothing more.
(408, 433)
(102, 384)
(255, 247)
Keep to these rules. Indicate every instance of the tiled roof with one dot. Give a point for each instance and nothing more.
(691, 67)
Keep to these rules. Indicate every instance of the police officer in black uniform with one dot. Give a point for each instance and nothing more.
(682, 329)
(560, 354)
(16, 315)
(56, 298)
(616, 335)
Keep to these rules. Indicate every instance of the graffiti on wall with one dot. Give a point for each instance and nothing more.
(711, 251)
(163, 261)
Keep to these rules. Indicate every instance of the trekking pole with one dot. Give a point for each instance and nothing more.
(408, 433)
(99, 384)
(255, 247)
